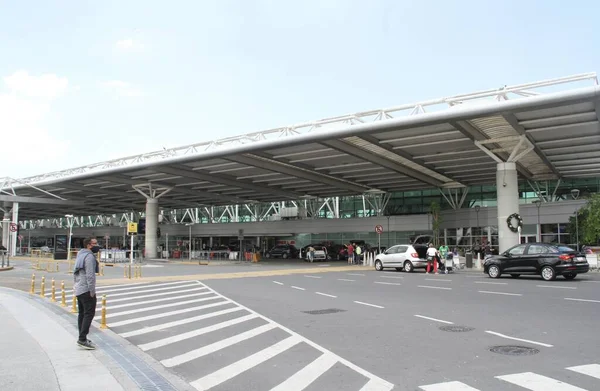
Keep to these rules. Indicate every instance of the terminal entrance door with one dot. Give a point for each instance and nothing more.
(528, 239)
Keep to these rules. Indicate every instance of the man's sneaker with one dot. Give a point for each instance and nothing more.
(87, 344)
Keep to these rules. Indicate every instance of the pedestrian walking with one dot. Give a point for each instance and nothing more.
(432, 255)
(311, 253)
(444, 250)
(350, 253)
(358, 254)
(84, 287)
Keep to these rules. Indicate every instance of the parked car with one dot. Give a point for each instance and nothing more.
(319, 255)
(283, 251)
(402, 257)
(545, 259)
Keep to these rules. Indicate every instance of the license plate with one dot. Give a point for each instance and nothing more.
(581, 259)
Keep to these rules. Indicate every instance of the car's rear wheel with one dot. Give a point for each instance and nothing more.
(378, 265)
(570, 276)
(548, 273)
(408, 267)
(515, 275)
(494, 271)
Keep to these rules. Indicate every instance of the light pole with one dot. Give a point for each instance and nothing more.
(388, 231)
(70, 223)
(190, 244)
(538, 203)
(575, 195)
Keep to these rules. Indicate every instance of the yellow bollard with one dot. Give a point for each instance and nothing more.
(140, 272)
(103, 320)
(32, 290)
(53, 298)
(74, 306)
(101, 269)
(63, 302)
(125, 271)
(43, 287)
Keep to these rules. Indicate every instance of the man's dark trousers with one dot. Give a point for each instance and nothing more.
(87, 311)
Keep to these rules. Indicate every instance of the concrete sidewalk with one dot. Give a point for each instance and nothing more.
(38, 351)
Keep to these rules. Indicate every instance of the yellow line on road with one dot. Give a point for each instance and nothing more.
(224, 276)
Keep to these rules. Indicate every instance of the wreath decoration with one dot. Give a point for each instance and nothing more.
(509, 222)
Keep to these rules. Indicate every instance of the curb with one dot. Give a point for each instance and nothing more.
(4, 269)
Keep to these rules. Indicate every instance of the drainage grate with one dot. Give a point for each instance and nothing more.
(324, 312)
(512, 350)
(456, 329)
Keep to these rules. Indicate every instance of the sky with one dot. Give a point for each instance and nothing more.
(87, 81)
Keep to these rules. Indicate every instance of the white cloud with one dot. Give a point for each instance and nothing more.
(128, 45)
(28, 145)
(122, 88)
(47, 86)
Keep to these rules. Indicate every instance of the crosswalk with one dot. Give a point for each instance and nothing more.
(215, 343)
(527, 380)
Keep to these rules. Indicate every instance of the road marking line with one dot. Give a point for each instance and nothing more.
(356, 274)
(519, 339)
(371, 305)
(109, 294)
(387, 283)
(194, 333)
(556, 286)
(535, 382)
(278, 283)
(481, 276)
(128, 287)
(307, 375)
(437, 279)
(586, 300)
(391, 277)
(490, 282)
(175, 323)
(112, 315)
(297, 287)
(166, 314)
(222, 375)
(381, 385)
(99, 288)
(501, 293)
(434, 319)
(312, 276)
(112, 307)
(152, 295)
(448, 386)
(345, 279)
(391, 272)
(596, 282)
(592, 370)
(434, 287)
(215, 347)
(325, 294)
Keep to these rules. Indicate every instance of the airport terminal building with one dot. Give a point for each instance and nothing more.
(489, 160)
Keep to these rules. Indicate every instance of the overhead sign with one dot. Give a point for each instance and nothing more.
(13, 227)
(379, 229)
(132, 228)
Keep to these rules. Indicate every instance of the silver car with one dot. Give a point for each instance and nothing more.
(401, 257)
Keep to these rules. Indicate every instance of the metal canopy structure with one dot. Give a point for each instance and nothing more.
(549, 128)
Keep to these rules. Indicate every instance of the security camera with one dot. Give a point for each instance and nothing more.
(575, 193)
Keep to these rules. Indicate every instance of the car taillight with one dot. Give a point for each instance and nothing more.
(566, 257)
(414, 255)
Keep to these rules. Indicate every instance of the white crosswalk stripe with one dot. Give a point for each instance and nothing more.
(527, 380)
(214, 334)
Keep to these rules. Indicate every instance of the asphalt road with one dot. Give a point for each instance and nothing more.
(366, 330)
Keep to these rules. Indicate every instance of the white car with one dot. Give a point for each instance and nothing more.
(319, 255)
(402, 257)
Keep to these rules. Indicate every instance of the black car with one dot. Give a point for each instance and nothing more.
(545, 259)
(283, 251)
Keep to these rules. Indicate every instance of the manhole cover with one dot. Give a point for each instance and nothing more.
(512, 350)
(456, 329)
(323, 312)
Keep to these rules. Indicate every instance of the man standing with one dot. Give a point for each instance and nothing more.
(84, 288)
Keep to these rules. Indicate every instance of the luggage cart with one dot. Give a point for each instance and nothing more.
(449, 263)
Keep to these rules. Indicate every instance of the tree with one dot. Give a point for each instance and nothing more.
(436, 218)
(587, 222)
